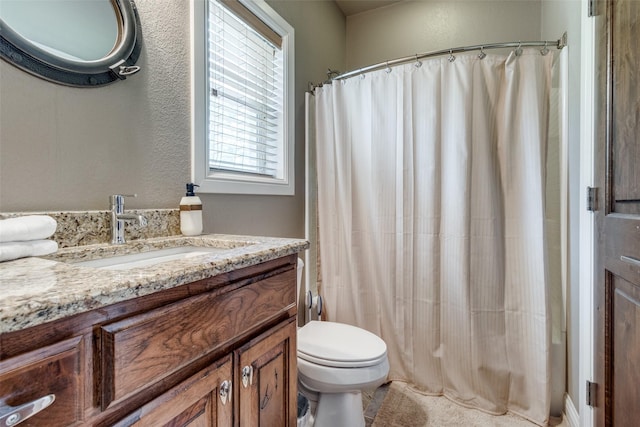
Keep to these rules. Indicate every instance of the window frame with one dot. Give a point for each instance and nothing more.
(228, 182)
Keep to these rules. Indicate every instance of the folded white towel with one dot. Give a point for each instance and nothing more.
(15, 250)
(24, 228)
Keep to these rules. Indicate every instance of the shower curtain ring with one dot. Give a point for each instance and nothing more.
(482, 55)
(418, 64)
(388, 69)
(451, 57)
(544, 50)
(519, 49)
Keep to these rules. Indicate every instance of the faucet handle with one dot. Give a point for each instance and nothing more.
(118, 199)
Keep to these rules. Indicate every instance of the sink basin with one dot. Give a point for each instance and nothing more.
(145, 259)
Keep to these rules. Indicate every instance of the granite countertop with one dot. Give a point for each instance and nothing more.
(41, 289)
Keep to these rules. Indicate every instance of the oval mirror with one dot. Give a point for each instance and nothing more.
(82, 43)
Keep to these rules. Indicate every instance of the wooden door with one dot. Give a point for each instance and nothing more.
(618, 215)
(203, 400)
(266, 373)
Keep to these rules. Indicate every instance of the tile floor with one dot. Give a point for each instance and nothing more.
(430, 411)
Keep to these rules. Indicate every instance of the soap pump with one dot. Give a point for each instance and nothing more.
(191, 213)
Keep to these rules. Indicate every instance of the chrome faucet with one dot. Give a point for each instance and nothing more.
(118, 218)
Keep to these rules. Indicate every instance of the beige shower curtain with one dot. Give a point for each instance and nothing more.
(431, 189)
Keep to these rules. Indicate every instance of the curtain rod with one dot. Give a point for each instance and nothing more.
(559, 44)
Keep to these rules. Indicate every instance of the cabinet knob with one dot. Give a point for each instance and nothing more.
(247, 376)
(225, 392)
(17, 414)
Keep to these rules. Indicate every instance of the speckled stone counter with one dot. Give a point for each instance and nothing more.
(41, 289)
(76, 228)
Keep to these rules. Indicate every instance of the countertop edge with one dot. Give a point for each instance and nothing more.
(22, 306)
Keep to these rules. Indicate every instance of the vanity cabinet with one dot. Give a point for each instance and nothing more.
(216, 352)
(267, 379)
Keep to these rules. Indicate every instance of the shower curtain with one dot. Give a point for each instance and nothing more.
(431, 209)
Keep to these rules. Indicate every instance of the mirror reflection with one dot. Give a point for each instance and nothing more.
(62, 28)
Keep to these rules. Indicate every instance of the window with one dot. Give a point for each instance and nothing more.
(243, 128)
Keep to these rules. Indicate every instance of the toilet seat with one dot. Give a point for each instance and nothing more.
(339, 345)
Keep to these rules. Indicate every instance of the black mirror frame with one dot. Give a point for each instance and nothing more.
(117, 65)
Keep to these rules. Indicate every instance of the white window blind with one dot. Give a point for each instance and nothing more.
(245, 123)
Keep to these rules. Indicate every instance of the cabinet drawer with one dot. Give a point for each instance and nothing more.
(144, 349)
(52, 370)
(195, 401)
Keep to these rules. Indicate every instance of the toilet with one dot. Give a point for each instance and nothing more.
(336, 362)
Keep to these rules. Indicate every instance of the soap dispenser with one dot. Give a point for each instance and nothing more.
(191, 213)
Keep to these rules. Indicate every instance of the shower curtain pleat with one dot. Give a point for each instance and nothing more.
(431, 189)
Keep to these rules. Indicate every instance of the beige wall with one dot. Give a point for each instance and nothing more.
(414, 27)
(64, 148)
(320, 43)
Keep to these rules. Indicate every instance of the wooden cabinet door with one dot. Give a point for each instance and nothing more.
(28, 379)
(618, 218)
(203, 400)
(266, 373)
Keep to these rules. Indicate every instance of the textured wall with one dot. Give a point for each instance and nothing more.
(64, 148)
(414, 27)
(320, 44)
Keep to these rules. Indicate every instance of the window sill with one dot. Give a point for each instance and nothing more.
(256, 186)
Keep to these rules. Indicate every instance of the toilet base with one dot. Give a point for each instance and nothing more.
(340, 402)
(339, 409)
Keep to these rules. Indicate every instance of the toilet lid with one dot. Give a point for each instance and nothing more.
(339, 345)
